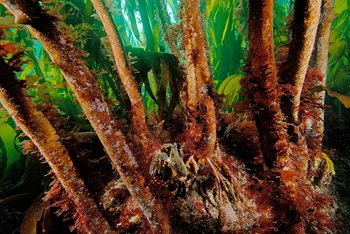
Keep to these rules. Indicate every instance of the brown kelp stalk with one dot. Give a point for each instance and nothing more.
(290, 191)
(304, 28)
(201, 109)
(199, 78)
(124, 71)
(34, 124)
(83, 84)
(319, 61)
(192, 91)
(261, 83)
(198, 73)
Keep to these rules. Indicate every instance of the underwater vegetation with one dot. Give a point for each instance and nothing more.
(169, 116)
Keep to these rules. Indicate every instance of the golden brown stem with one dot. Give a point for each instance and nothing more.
(261, 84)
(83, 84)
(320, 62)
(320, 58)
(199, 82)
(34, 124)
(124, 71)
(198, 73)
(305, 22)
(210, 125)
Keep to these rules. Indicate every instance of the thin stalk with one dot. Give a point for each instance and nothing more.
(166, 28)
(146, 25)
(37, 127)
(139, 121)
(83, 84)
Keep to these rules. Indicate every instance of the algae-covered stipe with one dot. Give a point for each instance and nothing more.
(174, 116)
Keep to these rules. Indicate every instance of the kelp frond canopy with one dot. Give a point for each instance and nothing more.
(180, 170)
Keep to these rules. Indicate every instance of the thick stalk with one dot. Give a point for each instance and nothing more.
(34, 124)
(83, 84)
(304, 28)
(261, 83)
(199, 79)
(319, 61)
(198, 73)
(124, 71)
(210, 136)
